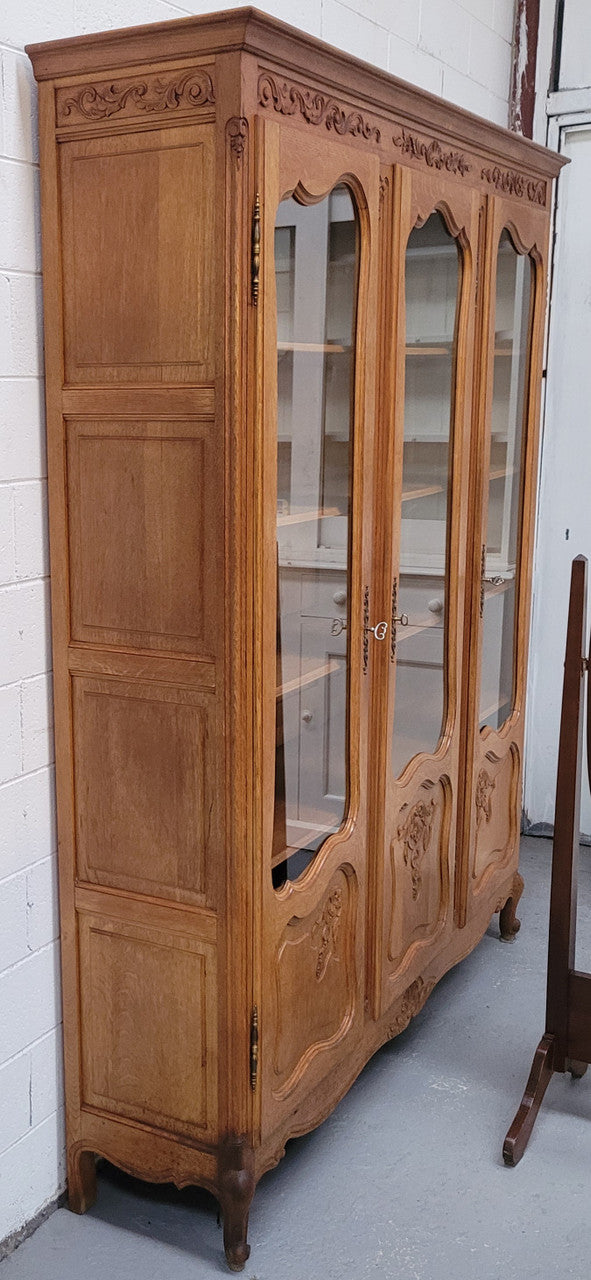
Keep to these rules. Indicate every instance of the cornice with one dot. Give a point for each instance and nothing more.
(292, 52)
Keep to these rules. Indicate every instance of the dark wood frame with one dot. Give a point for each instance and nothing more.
(566, 1043)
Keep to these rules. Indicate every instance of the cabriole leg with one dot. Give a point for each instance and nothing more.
(236, 1179)
(81, 1180)
(509, 925)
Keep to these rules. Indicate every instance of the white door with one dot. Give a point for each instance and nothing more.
(564, 516)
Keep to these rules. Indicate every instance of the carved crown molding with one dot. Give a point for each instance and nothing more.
(326, 930)
(511, 183)
(193, 88)
(315, 107)
(431, 152)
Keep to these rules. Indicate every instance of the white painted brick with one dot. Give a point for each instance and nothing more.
(10, 733)
(415, 66)
(498, 111)
(399, 16)
(27, 823)
(18, 110)
(26, 649)
(482, 9)
(36, 20)
(22, 428)
(31, 537)
(29, 1001)
(22, 353)
(37, 723)
(32, 1174)
(353, 33)
(7, 557)
(466, 93)
(92, 15)
(42, 904)
(15, 1108)
(504, 18)
(13, 925)
(47, 1076)
(20, 230)
(490, 59)
(445, 32)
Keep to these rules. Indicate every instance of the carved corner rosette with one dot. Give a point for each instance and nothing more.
(511, 183)
(192, 88)
(315, 107)
(415, 834)
(325, 931)
(432, 153)
(412, 1003)
(237, 135)
(485, 786)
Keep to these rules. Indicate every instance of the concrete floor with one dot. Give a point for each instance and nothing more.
(406, 1179)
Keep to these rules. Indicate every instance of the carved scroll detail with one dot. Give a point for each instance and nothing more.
(193, 88)
(511, 183)
(325, 931)
(412, 1002)
(485, 786)
(237, 131)
(431, 152)
(315, 107)
(415, 833)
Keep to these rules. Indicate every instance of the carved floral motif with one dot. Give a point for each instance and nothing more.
(237, 130)
(100, 101)
(415, 833)
(511, 183)
(315, 107)
(485, 786)
(412, 1003)
(325, 931)
(431, 152)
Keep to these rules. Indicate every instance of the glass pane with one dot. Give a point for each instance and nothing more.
(432, 293)
(500, 562)
(316, 260)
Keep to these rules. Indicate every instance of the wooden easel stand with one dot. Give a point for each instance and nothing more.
(566, 1043)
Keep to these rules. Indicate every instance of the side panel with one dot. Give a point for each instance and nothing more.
(133, 279)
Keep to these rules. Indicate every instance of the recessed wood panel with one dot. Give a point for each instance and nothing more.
(495, 814)
(137, 262)
(147, 1054)
(419, 875)
(145, 796)
(143, 502)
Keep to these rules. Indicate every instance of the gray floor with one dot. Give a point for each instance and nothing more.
(406, 1178)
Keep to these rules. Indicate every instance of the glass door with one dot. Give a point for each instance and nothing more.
(320, 208)
(426, 479)
(504, 497)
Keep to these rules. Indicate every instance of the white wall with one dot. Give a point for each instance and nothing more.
(458, 48)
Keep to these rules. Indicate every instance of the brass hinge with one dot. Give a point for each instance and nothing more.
(255, 265)
(254, 1047)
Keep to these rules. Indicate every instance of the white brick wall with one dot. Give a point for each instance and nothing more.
(458, 48)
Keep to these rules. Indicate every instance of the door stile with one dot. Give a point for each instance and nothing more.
(310, 1018)
(493, 768)
(395, 200)
(422, 800)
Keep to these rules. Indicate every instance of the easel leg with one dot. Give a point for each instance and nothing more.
(539, 1079)
(509, 925)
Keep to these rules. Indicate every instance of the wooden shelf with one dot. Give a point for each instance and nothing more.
(409, 494)
(495, 705)
(311, 832)
(308, 677)
(419, 350)
(497, 474)
(332, 348)
(304, 517)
